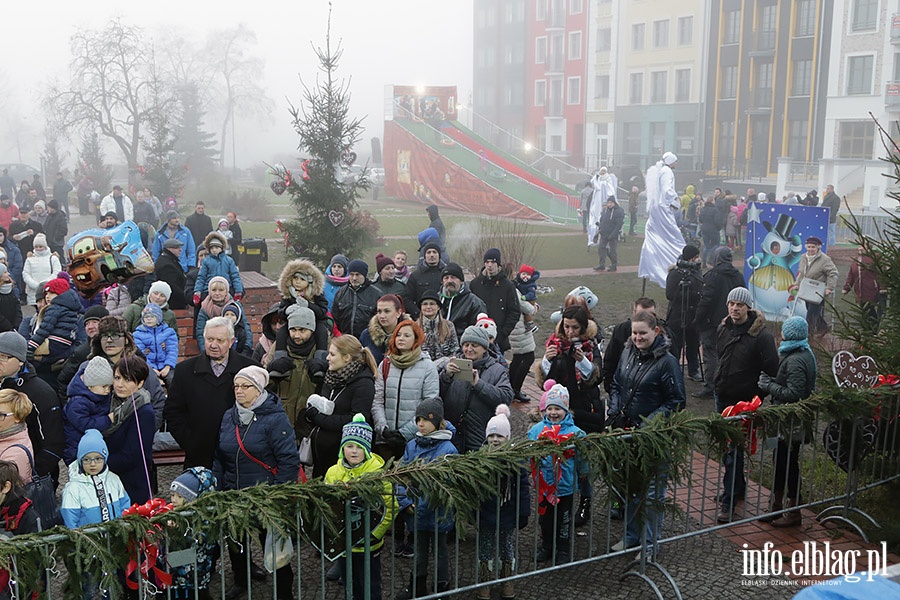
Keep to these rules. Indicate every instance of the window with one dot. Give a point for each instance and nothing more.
(805, 23)
(604, 39)
(637, 36)
(556, 143)
(601, 85)
(763, 84)
(540, 50)
(865, 15)
(729, 82)
(575, 45)
(859, 74)
(576, 7)
(766, 34)
(732, 32)
(857, 139)
(658, 137)
(658, 87)
(802, 81)
(573, 95)
(685, 31)
(661, 34)
(540, 10)
(540, 92)
(682, 85)
(684, 136)
(632, 135)
(896, 68)
(798, 133)
(636, 93)
(726, 141)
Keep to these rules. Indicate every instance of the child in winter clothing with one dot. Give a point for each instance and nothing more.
(335, 276)
(94, 494)
(218, 263)
(557, 477)
(40, 266)
(87, 407)
(158, 342)
(504, 516)
(289, 370)
(242, 343)
(213, 306)
(432, 441)
(526, 283)
(354, 461)
(186, 488)
(17, 516)
(223, 228)
(489, 325)
(57, 325)
(271, 322)
(10, 307)
(159, 294)
(116, 299)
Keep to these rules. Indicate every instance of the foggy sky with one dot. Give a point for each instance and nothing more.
(404, 42)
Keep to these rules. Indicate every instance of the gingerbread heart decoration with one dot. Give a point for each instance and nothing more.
(278, 187)
(335, 217)
(854, 371)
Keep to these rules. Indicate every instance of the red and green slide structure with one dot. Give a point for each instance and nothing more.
(452, 167)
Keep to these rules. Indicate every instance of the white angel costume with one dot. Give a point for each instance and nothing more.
(605, 186)
(663, 241)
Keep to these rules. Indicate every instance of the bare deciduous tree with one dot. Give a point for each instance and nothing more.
(110, 73)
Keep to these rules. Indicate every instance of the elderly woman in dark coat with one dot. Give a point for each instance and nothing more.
(256, 446)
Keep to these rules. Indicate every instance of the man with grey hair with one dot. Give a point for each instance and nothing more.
(202, 392)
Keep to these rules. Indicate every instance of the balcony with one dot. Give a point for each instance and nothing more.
(892, 95)
(764, 42)
(895, 29)
(554, 108)
(761, 101)
(556, 17)
(555, 64)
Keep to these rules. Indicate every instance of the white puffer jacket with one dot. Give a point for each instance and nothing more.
(40, 267)
(521, 341)
(411, 385)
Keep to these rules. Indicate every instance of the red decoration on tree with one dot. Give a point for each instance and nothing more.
(547, 489)
(147, 548)
(741, 408)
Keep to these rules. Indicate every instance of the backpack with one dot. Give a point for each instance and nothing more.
(42, 495)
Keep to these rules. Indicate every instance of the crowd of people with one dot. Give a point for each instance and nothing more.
(355, 367)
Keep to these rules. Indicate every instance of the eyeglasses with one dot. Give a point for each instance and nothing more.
(5, 415)
(112, 337)
(243, 386)
(5, 357)
(87, 460)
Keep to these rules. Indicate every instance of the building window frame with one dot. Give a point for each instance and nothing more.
(540, 50)
(731, 32)
(540, 92)
(661, 34)
(576, 81)
(540, 10)
(636, 88)
(860, 135)
(805, 18)
(638, 33)
(864, 16)
(574, 40)
(853, 70)
(801, 77)
(659, 84)
(686, 30)
(683, 85)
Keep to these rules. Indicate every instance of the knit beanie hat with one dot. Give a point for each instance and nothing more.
(193, 483)
(3, 270)
(300, 316)
(39, 240)
(492, 254)
(453, 269)
(381, 261)
(358, 266)
(431, 410)
(258, 376)
(724, 255)
(92, 441)
(340, 259)
(97, 372)
(554, 395)
(13, 344)
(233, 308)
(95, 313)
(429, 295)
(163, 288)
(57, 286)
(488, 324)
(476, 335)
(794, 329)
(154, 310)
(219, 279)
(432, 245)
(742, 295)
(359, 432)
(528, 269)
(690, 252)
(499, 423)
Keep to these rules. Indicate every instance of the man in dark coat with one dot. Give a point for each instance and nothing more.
(832, 202)
(355, 303)
(712, 308)
(609, 227)
(426, 278)
(436, 221)
(168, 269)
(237, 236)
(202, 391)
(55, 228)
(23, 230)
(499, 295)
(746, 349)
(683, 286)
(81, 352)
(458, 304)
(61, 189)
(199, 223)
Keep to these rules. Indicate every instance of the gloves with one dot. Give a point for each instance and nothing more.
(310, 414)
(196, 299)
(317, 365)
(281, 367)
(300, 302)
(321, 404)
(764, 382)
(394, 439)
(238, 296)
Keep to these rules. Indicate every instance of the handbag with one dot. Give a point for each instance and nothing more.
(42, 495)
(305, 451)
(278, 550)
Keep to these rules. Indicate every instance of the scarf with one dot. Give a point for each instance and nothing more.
(11, 431)
(124, 409)
(100, 489)
(211, 308)
(341, 377)
(788, 346)
(246, 415)
(407, 359)
(402, 272)
(301, 349)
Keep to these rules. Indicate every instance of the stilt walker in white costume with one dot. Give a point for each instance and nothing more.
(663, 241)
(604, 185)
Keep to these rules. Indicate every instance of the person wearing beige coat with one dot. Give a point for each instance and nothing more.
(816, 265)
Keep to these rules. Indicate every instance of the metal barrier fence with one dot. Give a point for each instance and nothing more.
(658, 496)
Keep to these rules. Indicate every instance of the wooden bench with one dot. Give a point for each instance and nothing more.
(168, 457)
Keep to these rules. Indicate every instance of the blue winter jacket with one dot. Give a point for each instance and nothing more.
(188, 256)
(332, 285)
(269, 438)
(570, 469)
(528, 289)
(15, 262)
(84, 410)
(434, 446)
(60, 325)
(221, 266)
(80, 505)
(511, 505)
(159, 345)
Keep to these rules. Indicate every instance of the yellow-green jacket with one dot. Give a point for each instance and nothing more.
(341, 473)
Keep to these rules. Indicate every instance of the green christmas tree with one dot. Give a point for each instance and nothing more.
(163, 170)
(328, 217)
(194, 146)
(93, 162)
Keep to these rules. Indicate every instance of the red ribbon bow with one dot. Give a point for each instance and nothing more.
(547, 489)
(741, 408)
(891, 380)
(147, 547)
